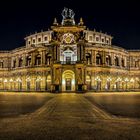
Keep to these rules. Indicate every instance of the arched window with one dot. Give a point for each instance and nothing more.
(28, 60)
(88, 58)
(48, 59)
(38, 59)
(19, 82)
(28, 85)
(38, 85)
(98, 83)
(123, 63)
(14, 63)
(136, 64)
(116, 61)
(20, 62)
(108, 60)
(1, 64)
(98, 59)
(28, 82)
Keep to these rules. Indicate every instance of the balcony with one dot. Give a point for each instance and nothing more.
(68, 62)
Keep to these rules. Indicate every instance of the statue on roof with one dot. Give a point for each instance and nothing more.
(68, 14)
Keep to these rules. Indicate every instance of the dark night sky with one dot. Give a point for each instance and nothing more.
(20, 18)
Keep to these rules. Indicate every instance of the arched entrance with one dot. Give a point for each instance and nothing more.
(48, 82)
(68, 80)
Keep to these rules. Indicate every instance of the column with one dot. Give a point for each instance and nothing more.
(103, 57)
(92, 57)
(58, 53)
(43, 57)
(41, 53)
(78, 52)
(43, 81)
(24, 60)
(17, 61)
(32, 59)
(112, 58)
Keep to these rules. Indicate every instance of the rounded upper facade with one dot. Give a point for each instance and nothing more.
(69, 53)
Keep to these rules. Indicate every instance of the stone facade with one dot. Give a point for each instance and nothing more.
(69, 57)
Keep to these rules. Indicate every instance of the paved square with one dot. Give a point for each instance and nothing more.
(69, 116)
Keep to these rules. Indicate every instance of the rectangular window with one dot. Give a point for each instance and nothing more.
(45, 38)
(39, 39)
(103, 40)
(29, 42)
(97, 38)
(90, 38)
(33, 40)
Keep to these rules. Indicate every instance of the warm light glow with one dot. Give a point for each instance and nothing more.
(88, 78)
(63, 81)
(73, 81)
(109, 79)
(39, 79)
(132, 80)
(11, 80)
(28, 79)
(19, 80)
(119, 79)
(115, 86)
(5, 80)
(126, 79)
(48, 80)
(97, 78)
(137, 78)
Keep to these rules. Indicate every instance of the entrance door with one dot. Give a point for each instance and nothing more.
(68, 84)
(68, 80)
(68, 60)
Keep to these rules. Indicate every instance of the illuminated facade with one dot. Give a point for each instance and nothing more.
(69, 57)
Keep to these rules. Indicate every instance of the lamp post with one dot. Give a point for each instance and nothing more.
(126, 82)
(98, 82)
(38, 82)
(118, 82)
(109, 79)
(28, 80)
(11, 81)
(137, 79)
(5, 82)
(19, 83)
(132, 81)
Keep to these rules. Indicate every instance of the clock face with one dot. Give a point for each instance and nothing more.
(68, 38)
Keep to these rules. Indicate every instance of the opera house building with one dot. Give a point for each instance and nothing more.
(69, 58)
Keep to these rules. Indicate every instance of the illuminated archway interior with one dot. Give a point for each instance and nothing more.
(68, 81)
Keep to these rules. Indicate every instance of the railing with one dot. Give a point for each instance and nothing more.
(68, 62)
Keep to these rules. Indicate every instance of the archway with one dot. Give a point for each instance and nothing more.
(88, 82)
(48, 82)
(68, 80)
